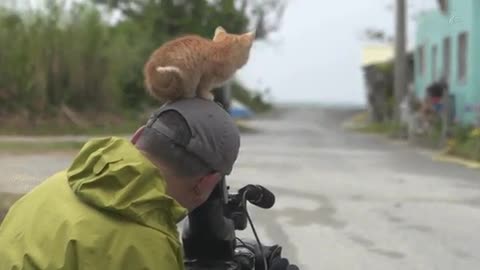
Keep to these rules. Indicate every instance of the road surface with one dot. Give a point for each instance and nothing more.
(344, 200)
(351, 201)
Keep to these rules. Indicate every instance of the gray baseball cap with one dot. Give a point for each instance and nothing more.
(215, 136)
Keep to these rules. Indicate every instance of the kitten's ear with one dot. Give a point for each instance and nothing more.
(250, 35)
(248, 38)
(220, 30)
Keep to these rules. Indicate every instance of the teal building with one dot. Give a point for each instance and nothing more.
(448, 46)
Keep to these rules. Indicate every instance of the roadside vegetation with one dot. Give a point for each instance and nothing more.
(71, 67)
(465, 143)
(462, 141)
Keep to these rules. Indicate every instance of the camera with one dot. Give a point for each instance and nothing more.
(209, 239)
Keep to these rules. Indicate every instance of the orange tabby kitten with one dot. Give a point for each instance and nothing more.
(192, 66)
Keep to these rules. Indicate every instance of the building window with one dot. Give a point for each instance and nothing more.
(446, 58)
(434, 62)
(462, 56)
(443, 4)
(421, 60)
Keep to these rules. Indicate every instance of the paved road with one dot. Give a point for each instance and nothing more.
(351, 201)
(344, 200)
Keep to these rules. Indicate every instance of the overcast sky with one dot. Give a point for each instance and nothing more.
(316, 55)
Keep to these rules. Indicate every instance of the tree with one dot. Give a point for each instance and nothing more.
(173, 17)
(377, 35)
(162, 20)
(67, 54)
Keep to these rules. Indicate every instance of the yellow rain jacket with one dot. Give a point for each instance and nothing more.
(108, 211)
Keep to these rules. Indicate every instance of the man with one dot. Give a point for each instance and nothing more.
(118, 204)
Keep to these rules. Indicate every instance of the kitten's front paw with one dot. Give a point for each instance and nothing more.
(206, 95)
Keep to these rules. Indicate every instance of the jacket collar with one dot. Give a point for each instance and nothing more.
(112, 175)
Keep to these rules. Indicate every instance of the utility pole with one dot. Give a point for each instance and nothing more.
(400, 76)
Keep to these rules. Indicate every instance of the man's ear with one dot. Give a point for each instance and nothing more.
(205, 186)
(137, 134)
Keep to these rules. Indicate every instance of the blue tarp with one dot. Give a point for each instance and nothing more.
(238, 110)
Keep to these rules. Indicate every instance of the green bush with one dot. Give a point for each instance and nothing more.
(52, 57)
(69, 54)
(461, 133)
(465, 142)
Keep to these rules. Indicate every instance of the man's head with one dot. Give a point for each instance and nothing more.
(194, 142)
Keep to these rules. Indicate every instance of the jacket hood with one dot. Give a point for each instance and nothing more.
(112, 175)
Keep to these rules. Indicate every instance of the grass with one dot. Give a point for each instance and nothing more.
(360, 118)
(39, 147)
(126, 126)
(389, 129)
(359, 122)
(103, 126)
(376, 128)
(24, 147)
(464, 144)
(469, 149)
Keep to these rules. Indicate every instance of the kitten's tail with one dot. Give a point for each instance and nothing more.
(165, 83)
